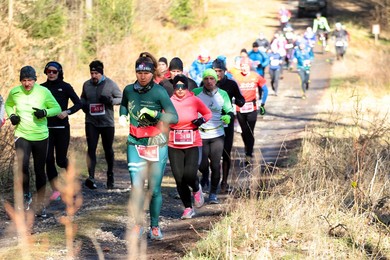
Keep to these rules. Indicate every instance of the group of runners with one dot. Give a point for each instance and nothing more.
(186, 118)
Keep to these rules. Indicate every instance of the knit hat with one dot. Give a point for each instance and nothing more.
(176, 64)
(219, 64)
(180, 78)
(27, 72)
(210, 72)
(163, 59)
(96, 65)
(255, 45)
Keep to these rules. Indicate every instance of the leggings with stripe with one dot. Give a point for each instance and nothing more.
(152, 171)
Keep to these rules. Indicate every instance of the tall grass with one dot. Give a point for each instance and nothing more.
(335, 202)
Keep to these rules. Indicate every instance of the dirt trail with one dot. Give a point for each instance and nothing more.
(286, 118)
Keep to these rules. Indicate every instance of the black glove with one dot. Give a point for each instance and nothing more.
(14, 119)
(39, 113)
(106, 100)
(262, 110)
(199, 121)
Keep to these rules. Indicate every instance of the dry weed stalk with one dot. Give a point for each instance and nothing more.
(71, 196)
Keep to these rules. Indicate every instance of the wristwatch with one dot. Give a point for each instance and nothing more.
(68, 112)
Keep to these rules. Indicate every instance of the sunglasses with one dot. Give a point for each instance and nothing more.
(180, 86)
(48, 71)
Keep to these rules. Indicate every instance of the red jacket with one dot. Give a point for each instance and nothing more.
(187, 109)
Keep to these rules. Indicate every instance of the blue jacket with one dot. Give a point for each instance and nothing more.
(197, 68)
(302, 55)
(260, 57)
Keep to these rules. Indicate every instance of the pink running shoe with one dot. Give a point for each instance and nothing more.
(198, 198)
(188, 213)
(56, 195)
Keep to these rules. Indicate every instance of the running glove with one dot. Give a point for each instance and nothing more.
(199, 121)
(262, 110)
(123, 120)
(225, 119)
(14, 119)
(106, 100)
(147, 111)
(39, 113)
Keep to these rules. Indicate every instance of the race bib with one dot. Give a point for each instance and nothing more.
(284, 18)
(149, 153)
(275, 62)
(339, 43)
(289, 45)
(97, 109)
(247, 108)
(183, 137)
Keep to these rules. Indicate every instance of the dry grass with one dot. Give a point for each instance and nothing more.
(335, 203)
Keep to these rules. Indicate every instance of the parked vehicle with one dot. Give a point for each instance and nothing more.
(310, 7)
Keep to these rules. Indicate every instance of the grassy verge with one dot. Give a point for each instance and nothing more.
(336, 202)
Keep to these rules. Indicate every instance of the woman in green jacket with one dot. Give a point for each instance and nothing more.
(148, 108)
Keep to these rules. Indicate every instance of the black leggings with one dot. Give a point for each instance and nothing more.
(38, 149)
(58, 143)
(107, 133)
(184, 165)
(212, 149)
(247, 123)
(227, 148)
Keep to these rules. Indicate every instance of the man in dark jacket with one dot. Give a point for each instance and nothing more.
(99, 95)
(176, 68)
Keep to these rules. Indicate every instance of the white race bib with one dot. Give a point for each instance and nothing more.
(149, 152)
(247, 108)
(183, 137)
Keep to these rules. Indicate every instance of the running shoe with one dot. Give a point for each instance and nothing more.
(90, 183)
(110, 181)
(42, 214)
(27, 200)
(188, 213)
(213, 199)
(198, 197)
(56, 195)
(155, 233)
(137, 231)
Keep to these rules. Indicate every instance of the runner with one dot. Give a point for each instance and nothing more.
(185, 144)
(321, 28)
(148, 106)
(59, 130)
(303, 57)
(231, 87)
(250, 82)
(199, 65)
(28, 106)
(275, 67)
(99, 95)
(259, 58)
(212, 132)
(176, 68)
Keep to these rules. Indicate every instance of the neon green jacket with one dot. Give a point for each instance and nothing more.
(21, 102)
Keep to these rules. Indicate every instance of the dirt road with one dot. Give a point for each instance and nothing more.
(276, 132)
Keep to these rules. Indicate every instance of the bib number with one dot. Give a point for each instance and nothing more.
(247, 108)
(275, 62)
(182, 137)
(339, 43)
(149, 153)
(97, 109)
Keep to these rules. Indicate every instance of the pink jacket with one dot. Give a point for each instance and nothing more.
(187, 109)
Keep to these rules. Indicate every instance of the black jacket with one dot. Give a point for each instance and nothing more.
(62, 92)
(231, 87)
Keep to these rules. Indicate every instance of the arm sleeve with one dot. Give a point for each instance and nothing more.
(52, 106)
(9, 105)
(169, 114)
(123, 111)
(75, 100)
(239, 98)
(116, 94)
(264, 88)
(227, 105)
